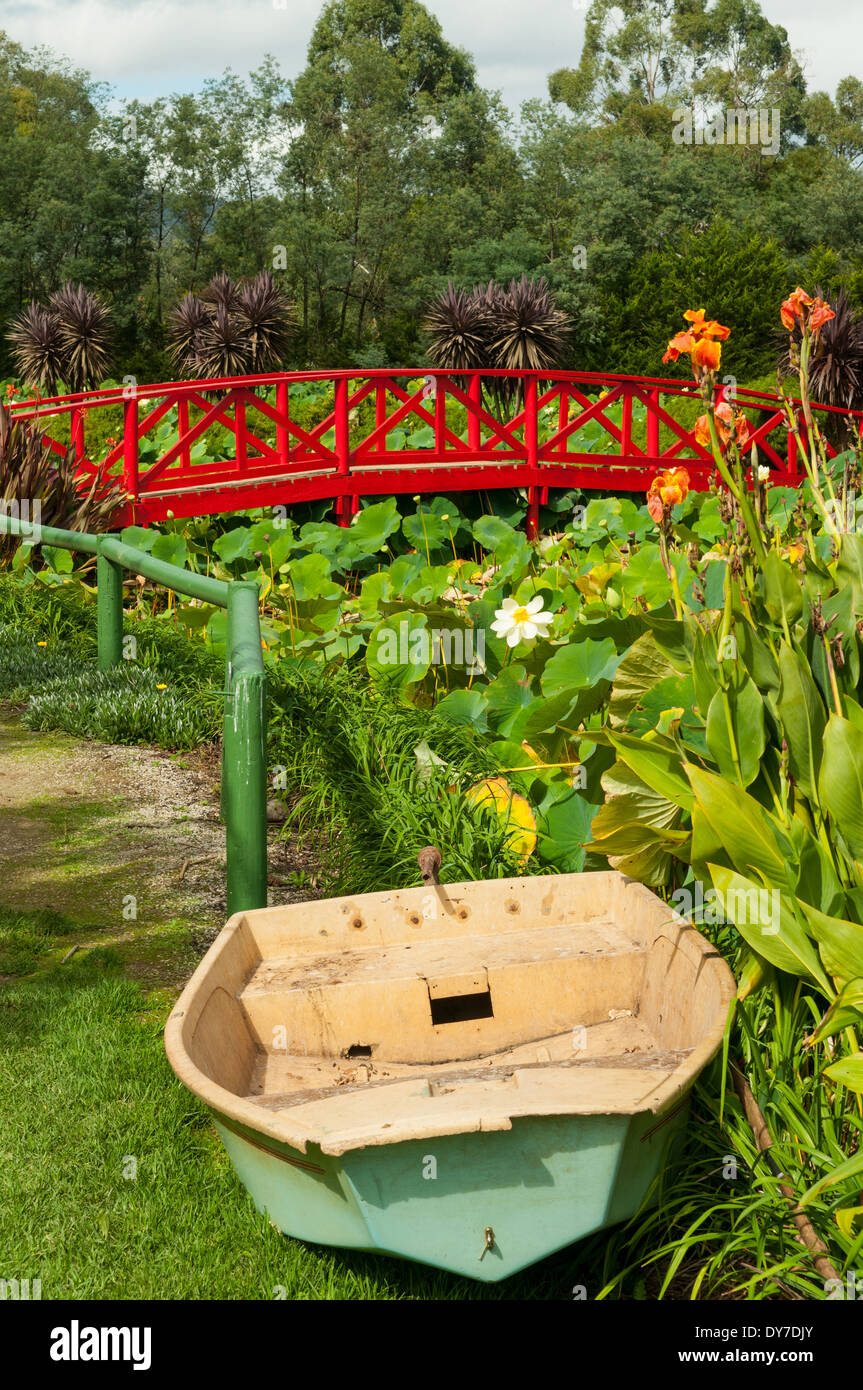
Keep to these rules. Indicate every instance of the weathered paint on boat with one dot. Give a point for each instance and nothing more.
(544, 1184)
(518, 1139)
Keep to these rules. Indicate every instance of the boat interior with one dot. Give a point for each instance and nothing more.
(351, 1022)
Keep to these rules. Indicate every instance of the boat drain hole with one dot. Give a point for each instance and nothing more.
(461, 1008)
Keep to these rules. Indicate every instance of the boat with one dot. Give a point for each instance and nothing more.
(470, 1075)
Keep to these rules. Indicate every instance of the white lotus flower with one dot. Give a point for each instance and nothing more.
(763, 473)
(520, 622)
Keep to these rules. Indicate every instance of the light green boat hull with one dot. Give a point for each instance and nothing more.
(541, 1185)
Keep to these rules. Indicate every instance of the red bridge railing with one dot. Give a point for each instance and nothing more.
(482, 430)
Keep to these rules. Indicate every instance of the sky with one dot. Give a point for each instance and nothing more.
(148, 48)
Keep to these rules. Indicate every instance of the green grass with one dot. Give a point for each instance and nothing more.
(129, 704)
(84, 1088)
(367, 800)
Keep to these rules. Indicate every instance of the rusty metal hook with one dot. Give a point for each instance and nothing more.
(429, 860)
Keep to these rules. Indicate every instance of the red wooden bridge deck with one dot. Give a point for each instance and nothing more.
(360, 458)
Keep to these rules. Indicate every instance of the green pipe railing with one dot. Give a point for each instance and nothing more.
(244, 724)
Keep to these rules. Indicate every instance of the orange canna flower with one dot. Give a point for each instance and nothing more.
(794, 308)
(821, 314)
(729, 423)
(706, 354)
(810, 314)
(683, 342)
(665, 491)
(706, 328)
(701, 340)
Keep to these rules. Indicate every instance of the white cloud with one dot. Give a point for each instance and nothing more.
(150, 47)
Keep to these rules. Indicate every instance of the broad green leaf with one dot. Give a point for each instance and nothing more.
(61, 561)
(658, 761)
(507, 697)
(170, 547)
(840, 943)
(840, 781)
(143, 537)
(310, 577)
(464, 707)
(235, 544)
(425, 531)
(766, 921)
(641, 668)
(399, 652)
(783, 596)
(735, 731)
(752, 838)
(846, 1009)
(563, 828)
(636, 821)
(803, 718)
(579, 665)
(848, 1071)
(492, 532)
(371, 527)
(849, 568)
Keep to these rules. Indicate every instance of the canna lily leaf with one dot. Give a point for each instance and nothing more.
(846, 1010)
(752, 838)
(803, 718)
(848, 1071)
(841, 781)
(767, 923)
(840, 943)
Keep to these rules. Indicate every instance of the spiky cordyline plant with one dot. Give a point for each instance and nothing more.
(31, 474)
(187, 323)
(85, 335)
(232, 329)
(266, 314)
(527, 331)
(66, 340)
(224, 346)
(457, 325)
(222, 290)
(519, 329)
(35, 339)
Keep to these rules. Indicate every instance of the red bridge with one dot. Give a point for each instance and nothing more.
(560, 430)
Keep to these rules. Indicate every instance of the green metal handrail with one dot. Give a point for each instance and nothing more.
(244, 723)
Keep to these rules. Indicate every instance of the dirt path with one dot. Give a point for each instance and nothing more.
(101, 835)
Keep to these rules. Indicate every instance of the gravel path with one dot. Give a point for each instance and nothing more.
(125, 842)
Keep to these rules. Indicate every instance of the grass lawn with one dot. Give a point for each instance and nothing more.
(114, 1184)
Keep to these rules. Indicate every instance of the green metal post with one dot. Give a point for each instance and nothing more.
(226, 714)
(244, 783)
(109, 612)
